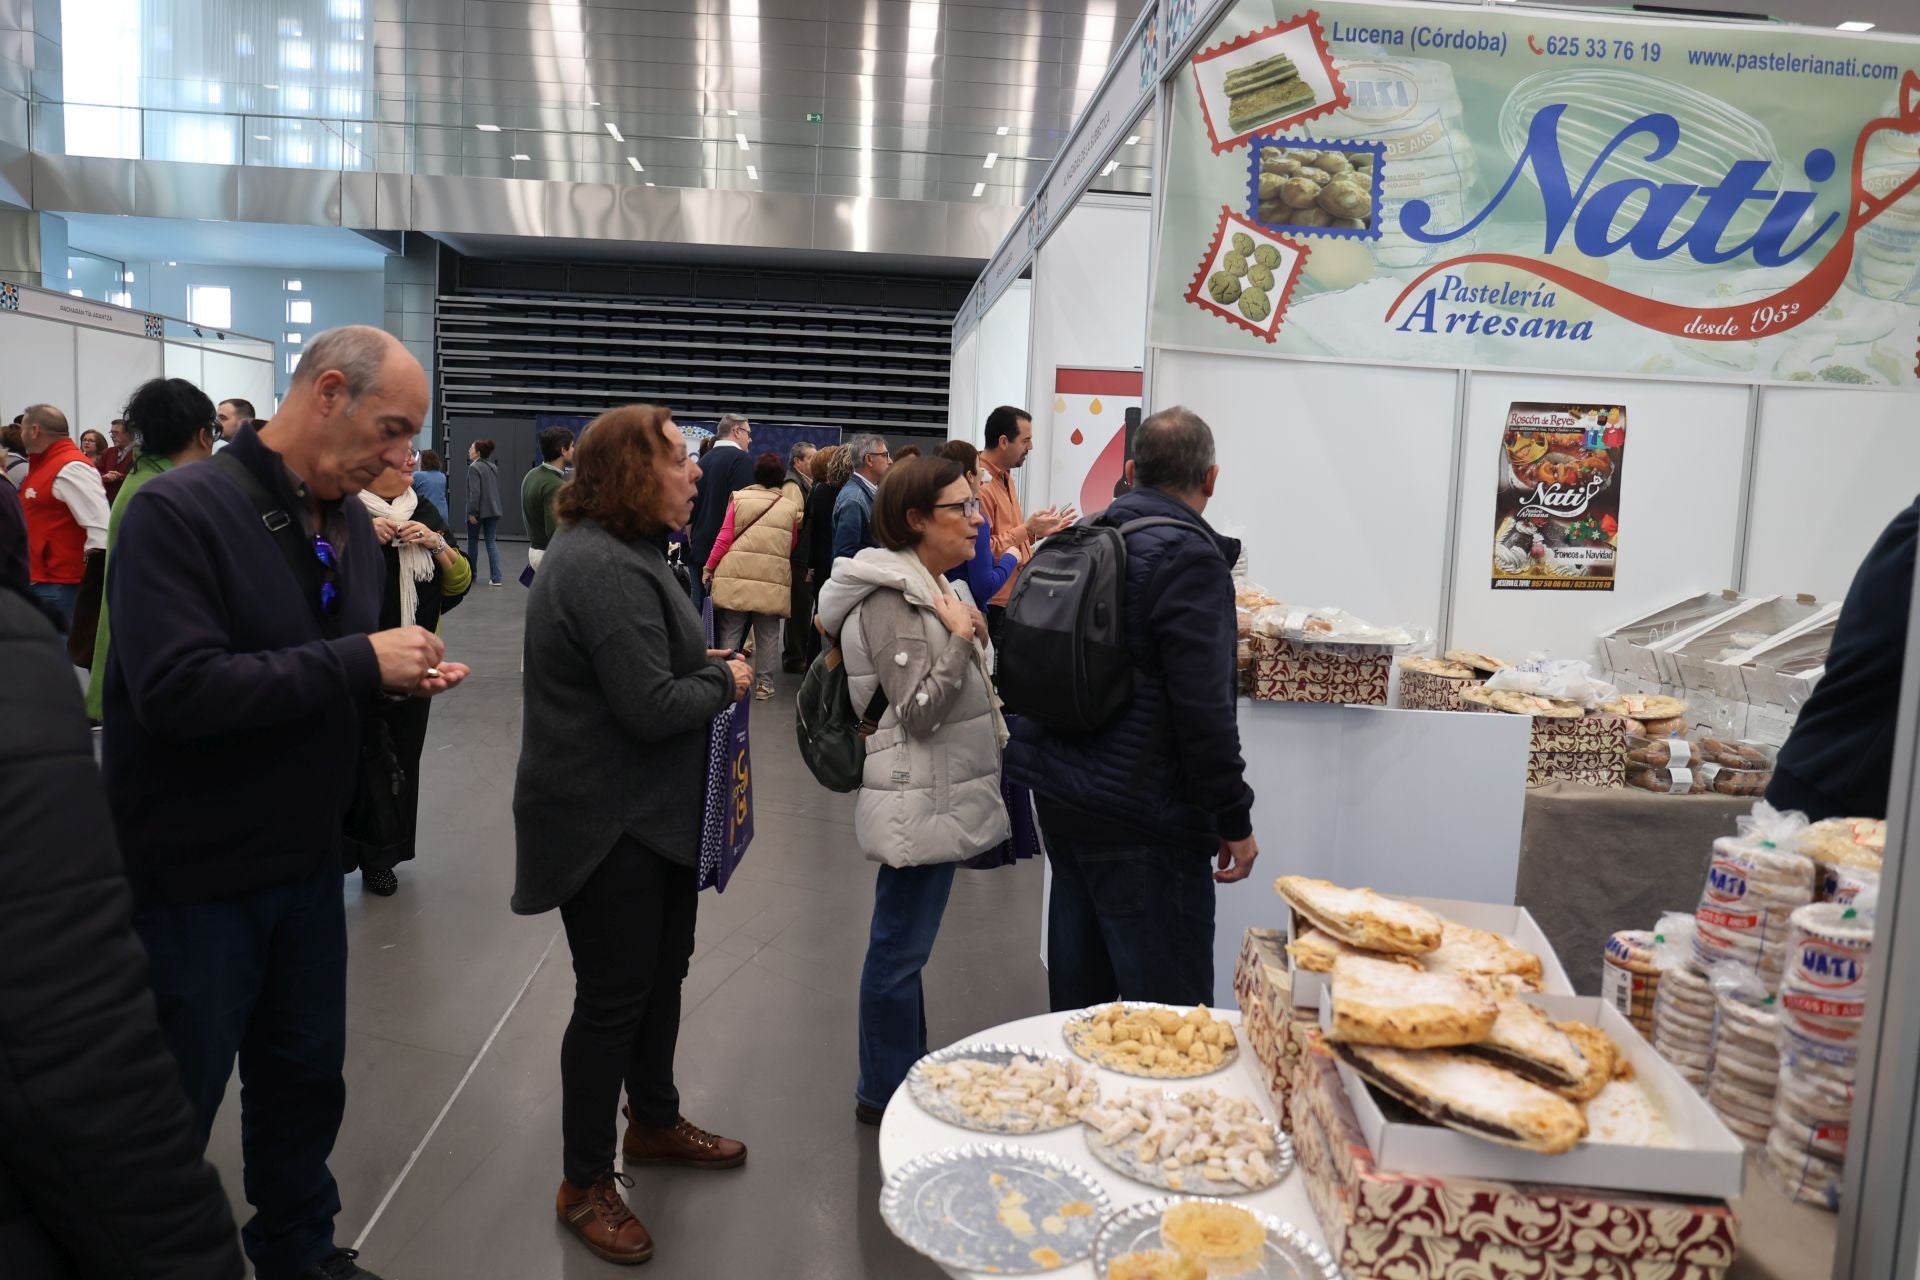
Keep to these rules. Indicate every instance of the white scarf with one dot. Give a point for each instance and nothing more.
(416, 562)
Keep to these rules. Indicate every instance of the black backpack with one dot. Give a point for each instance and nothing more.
(1063, 648)
(833, 740)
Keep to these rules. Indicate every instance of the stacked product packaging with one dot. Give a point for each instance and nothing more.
(1759, 998)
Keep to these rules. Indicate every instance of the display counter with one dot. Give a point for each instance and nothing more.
(1594, 860)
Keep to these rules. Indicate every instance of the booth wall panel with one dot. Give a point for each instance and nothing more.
(36, 363)
(1335, 476)
(1089, 309)
(1832, 469)
(1680, 504)
(111, 366)
(227, 377)
(183, 361)
(1006, 336)
(963, 395)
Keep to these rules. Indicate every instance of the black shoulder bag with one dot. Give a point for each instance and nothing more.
(375, 830)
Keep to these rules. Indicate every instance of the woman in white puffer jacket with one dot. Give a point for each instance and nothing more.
(930, 797)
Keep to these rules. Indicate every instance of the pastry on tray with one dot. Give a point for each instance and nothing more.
(1155, 1264)
(1437, 667)
(1532, 704)
(1474, 953)
(1604, 1060)
(1362, 918)
(1465, 1093)
(1225, 1239)
(1648, 708)
(1315, 952)
(1485, 664)
(1525, 1042)
(1378, 1002)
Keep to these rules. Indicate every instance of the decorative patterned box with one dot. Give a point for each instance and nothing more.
(1567, 766)
(1263, 983)
(1590, 750)
(1413, 1227)
(1425, 691)
(1351, 675)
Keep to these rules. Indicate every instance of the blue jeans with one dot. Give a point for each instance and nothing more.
(1126, 921)
(264, 977)
(907, 905)
(487, 525)
(62, 596)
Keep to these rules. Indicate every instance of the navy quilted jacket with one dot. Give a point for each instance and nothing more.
(1169, 767)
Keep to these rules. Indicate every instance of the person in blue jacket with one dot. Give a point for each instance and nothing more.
(986, 573)
(853, 509)
(430, 482)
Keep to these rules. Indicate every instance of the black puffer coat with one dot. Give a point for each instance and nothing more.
(101, 1165)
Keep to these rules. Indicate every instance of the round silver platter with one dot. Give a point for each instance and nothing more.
(1085, 1018)
(948, 1205)
(1192, 1180)
(1289, 1255)
(924, 1093)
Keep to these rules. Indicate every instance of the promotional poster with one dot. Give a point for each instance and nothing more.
(1094, 410)
(1464, 186)
(1556, 520)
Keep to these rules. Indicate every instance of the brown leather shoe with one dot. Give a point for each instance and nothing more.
(600, 1217)
(684, 1144)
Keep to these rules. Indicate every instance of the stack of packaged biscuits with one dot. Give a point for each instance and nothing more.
(1846, 855)
(1683, 1024)
(1756, 881)
(1746, 1054)
(1679, 766)
(1629, 977)
(1822, 1009)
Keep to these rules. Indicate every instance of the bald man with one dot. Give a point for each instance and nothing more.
(66, 508)
(244, 596)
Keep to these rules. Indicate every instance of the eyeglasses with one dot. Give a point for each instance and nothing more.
(329, 576)
(971, 507)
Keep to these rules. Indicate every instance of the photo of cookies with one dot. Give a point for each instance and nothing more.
(1316, 188)
(1265, 81)
(1247, 274)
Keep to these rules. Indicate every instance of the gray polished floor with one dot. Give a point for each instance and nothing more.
(450, 1155)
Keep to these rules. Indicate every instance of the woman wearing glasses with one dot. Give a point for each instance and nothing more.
(620, 691)
(931, 793)
(426, 576)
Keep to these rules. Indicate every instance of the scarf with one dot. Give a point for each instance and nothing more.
(939, 586)
(416, 562)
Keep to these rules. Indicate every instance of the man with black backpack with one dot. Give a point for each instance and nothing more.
(1140, 784)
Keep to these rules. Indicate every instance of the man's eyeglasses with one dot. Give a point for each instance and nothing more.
(329, 576)
(970, 507)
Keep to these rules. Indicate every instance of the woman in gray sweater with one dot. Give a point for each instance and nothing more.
(620, 689)
(483, 506)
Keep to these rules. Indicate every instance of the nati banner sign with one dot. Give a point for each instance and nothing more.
(1472, 187)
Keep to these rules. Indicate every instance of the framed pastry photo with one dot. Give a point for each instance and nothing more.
(1247, 275)
(1266, 81)
(1312, 187)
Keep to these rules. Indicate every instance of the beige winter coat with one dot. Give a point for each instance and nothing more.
(931, 789)
(756, 575)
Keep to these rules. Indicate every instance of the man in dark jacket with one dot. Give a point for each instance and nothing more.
(1134, 815)
(101, 1166)
(241, 632)
(800, 606)
(725, 470)
(1838, 761)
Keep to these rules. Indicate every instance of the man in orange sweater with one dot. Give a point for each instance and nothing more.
(66, 508)
(1009, 440)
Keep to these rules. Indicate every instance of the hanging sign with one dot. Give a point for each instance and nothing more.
(61, 306)
(1475, 186)
(1556, 519)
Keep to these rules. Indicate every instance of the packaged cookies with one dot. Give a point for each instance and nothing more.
(1755, 882)
(1629, 978)
(1746, 1055)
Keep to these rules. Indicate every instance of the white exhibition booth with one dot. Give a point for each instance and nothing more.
(86, 357)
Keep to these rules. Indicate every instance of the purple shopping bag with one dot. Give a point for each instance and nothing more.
(727, 824)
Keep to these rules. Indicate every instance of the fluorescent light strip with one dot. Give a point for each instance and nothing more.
(615, 132)
(741, 138)
(1001, 131)
(1856, 26)
(979, 188)
(991, 157)
(753, 173)
(1134, 141)
(637, 166)
(488, 128)
(1111, 166)
(519, 155)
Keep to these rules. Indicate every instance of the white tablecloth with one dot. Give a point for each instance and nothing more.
(908, 1132)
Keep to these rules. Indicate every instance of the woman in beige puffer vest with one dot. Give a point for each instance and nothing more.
(750, 572)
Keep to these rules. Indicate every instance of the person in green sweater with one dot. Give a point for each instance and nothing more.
(173, 423)
(538, 489)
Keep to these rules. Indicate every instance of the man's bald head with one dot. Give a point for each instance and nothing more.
(351, 411)
(41, 425)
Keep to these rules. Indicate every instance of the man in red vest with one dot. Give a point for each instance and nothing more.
(66, 507)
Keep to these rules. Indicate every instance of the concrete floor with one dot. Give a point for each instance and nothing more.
(450, 1154)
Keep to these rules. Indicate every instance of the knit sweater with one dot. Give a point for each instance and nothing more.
(619, 696)
(536, 504)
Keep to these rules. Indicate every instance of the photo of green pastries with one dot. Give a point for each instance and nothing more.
(1315, 188)
(1265, 91)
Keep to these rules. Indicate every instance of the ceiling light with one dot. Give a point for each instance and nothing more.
(649, 184)
(637, 166)
(261, 137)
(519, 155)
(732, 112)
(1134, 141)
(269, 86)
(1002, 131)
(594, 103)
(1111, 166)
(617, 135)
(741, 138)
(753, 173)
(488, 128)
(979, 188)
(1856, 26)
(991, 157)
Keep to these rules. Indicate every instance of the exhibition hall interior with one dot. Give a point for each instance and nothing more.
(885, 639)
